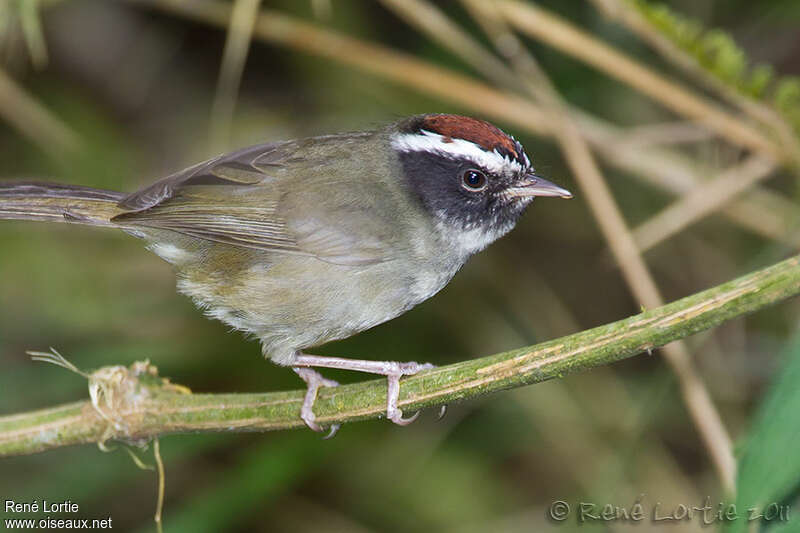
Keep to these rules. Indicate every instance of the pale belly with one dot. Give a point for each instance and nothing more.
(293, 302)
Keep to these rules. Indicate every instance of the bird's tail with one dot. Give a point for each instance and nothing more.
(28, 200)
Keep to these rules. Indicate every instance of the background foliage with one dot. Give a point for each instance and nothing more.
(131, 85)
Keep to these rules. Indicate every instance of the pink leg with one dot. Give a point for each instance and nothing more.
(314, 381)
(393, 371)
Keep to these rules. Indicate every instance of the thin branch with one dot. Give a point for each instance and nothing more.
(613, 225)
(665, 133)
(569, 39)
(240, 33)
(437, 25)
(278, 28)
(630, 17)
(761, 210)
(33, 120)
(702, 201)
(149, 407)
(32, 29)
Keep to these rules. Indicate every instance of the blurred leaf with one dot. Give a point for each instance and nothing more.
(769, 468)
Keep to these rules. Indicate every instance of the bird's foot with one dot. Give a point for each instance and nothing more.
(393, 371)
(314, 380)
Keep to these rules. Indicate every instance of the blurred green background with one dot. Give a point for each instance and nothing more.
(136, 84)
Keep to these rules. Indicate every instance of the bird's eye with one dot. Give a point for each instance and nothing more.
(473, 180)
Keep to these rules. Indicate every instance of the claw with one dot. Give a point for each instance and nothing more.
(398, 419)
(442, 412)
(332, 432)
(308, 418)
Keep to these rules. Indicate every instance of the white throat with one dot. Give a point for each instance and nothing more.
(470, 241)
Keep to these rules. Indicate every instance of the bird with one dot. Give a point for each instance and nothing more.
(306, 241)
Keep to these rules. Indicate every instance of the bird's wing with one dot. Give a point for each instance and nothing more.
(244, 199)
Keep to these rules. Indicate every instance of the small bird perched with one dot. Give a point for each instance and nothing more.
(306, 241)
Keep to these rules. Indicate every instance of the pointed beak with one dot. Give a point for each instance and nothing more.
(532, 185)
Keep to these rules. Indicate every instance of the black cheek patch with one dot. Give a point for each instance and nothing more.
(436, 181)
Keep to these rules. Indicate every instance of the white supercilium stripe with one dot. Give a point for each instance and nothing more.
(433, 142)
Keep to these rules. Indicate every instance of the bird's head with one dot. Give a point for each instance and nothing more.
(473, 178)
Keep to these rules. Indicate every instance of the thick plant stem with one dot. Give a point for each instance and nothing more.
(149, 407)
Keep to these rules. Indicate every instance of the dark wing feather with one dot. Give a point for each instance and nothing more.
(244, 199)
(243, 167)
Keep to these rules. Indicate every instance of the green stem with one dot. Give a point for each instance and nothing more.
(155, 408)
